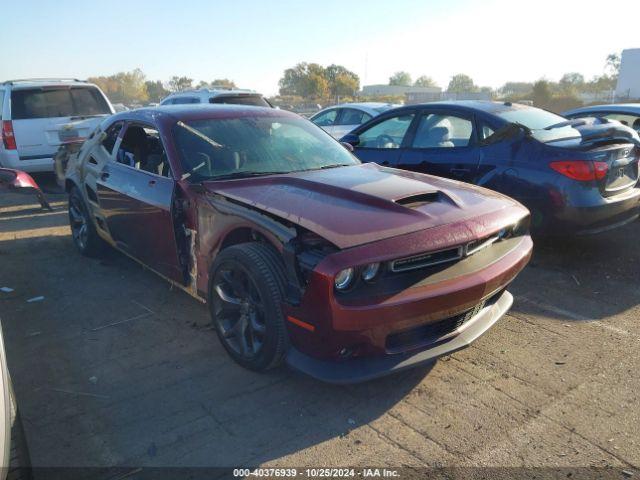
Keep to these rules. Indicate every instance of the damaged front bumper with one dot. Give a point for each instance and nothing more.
(361, 369)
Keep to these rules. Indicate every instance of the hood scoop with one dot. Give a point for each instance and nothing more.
(417, 201)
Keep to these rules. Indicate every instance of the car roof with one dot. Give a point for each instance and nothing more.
(211, 91)
(477, 105)
(198, 111)
(619, 107)
(43, 82)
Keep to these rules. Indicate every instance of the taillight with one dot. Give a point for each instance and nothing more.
(581, 170)
(8, 138)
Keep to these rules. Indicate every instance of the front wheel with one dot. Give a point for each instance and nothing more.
(246, 286)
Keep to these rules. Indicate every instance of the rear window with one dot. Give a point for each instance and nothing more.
(254, 100)
(537, 121)
(183, 100)
(57, 102)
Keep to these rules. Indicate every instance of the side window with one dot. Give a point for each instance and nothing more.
(486, 131)
(1, 102)
(326, 119)
(141, 148)
(389, 133)
(112, 135)
(351, 116)
(442, 131)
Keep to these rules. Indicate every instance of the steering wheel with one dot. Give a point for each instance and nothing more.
(383, 140)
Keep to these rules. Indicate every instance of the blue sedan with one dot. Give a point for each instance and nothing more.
(575, 176)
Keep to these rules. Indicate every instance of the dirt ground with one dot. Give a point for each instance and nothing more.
(113, 367)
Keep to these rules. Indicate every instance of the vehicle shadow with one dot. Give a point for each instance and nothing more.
(112, 367)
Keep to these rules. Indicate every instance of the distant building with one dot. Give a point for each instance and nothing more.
(629, 77)
(395, 90)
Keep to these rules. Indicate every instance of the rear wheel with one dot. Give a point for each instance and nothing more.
(83, 231)
(245, 299)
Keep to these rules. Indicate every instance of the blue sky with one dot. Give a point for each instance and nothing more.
(253, 41)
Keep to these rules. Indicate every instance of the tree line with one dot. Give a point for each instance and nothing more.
(133, 87)
(334, 83)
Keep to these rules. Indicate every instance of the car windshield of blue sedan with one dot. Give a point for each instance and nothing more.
(538, 121)
(216, 149)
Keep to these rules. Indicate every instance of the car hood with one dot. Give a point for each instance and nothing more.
(350, 206)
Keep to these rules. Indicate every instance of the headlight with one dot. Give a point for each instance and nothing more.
(370, 271)
(344, 278)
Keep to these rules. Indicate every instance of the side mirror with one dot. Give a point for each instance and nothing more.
(348, 146)
(351, 138)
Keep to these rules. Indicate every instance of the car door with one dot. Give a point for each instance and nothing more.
(135, 192)
(384, 140)
(442, 143)
(327, 120)
(348, 119)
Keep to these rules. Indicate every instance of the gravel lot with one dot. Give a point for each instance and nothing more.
(113, 367)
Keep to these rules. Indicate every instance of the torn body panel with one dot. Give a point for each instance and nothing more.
(21, 182)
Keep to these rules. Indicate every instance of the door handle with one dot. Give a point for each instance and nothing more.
(104, 175)
(152, 183)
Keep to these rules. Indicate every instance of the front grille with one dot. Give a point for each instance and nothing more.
(431, 333)
(426, 259)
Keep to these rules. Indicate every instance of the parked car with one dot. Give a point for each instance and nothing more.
(345, 271)
(576, 177)
(339, 120)
(626, 113)
(32, 113)
(217, 95)
(21, 182)
(15, 462)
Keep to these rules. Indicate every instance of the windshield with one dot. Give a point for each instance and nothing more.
(538, 120)
(248, 146)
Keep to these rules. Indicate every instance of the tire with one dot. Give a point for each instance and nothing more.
(247, 282)
(83, 230)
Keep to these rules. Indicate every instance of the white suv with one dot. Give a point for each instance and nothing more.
(34, 111)
(217, 95)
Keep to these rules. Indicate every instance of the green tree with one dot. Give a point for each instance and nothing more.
(425, 81)
(461, 83)
(155, 90)
(541, 93)
(400, 78)
(573, 78)
(179, 84)
(612, 64)
(223, 82)
(311, 80)
(342, 82)
(124, 87)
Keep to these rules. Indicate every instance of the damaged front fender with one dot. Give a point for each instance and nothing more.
(21, 182)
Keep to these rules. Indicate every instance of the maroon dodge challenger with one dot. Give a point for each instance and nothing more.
(342, 270)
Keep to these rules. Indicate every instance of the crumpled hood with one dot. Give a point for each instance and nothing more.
(354, 205)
